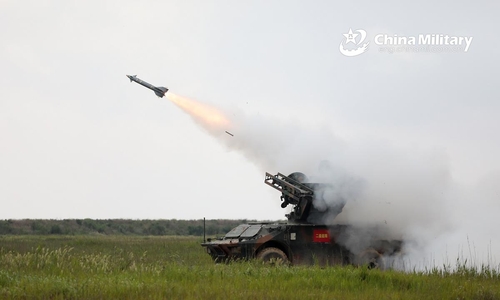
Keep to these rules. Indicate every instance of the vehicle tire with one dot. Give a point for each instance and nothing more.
(273, 256)
(370, 258)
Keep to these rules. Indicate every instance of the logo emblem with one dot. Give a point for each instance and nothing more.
(357, 40)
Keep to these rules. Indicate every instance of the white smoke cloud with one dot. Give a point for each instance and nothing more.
(388, 190)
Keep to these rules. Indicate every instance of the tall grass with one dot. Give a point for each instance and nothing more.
(176, 267)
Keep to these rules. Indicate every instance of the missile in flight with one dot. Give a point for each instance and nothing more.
(159, 90)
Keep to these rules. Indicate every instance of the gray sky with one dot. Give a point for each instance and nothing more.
(79, 141)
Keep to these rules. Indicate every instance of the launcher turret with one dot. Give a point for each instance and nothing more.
(308, 199)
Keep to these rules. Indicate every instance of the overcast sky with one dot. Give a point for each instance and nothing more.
(78, 140)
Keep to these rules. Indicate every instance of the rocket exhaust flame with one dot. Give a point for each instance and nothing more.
(207, 115)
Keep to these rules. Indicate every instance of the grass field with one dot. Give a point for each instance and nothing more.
(125, 267)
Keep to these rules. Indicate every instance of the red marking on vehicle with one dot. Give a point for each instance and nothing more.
(321, 236)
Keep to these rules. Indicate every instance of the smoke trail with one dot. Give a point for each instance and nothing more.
(400, 193)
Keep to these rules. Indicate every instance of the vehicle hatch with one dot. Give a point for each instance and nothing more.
(244, 231)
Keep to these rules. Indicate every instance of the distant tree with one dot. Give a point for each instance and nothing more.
(55, 229)
(38, 227)
(156, 229)
(120, 226)
(90, 224)
(226, 229)
(5, 227)
(195, 230)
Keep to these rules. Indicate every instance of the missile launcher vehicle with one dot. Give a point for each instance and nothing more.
(303, 239)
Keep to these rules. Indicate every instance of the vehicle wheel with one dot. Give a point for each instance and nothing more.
(370, 258)
(273, 256)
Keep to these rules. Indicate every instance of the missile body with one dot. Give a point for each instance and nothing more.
(159, 90)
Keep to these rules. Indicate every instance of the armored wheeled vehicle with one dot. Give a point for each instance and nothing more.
(305, 238)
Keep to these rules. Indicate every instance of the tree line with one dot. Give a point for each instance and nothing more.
(118, 227)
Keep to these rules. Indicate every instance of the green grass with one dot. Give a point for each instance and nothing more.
(124, 267)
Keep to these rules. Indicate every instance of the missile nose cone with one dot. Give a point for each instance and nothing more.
(131, 77)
